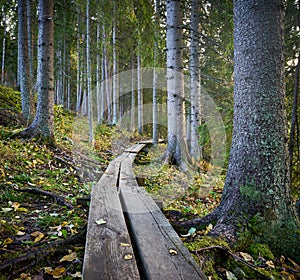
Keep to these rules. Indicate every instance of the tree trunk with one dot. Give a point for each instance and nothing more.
(78, 82)
(195, 150)
(133, 82)
(89, 75)
(256, 196)
(24, 78)
(114, 86)
(42, 126)
(98, 82)
(30, 52)
(176, 151)
(140, 95)
(154, 90)
(3, 51)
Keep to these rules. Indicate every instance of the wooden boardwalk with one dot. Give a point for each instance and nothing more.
(128, 236)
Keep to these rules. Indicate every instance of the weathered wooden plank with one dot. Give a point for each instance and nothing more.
(135, 148)
(162, 253)
(105, 253)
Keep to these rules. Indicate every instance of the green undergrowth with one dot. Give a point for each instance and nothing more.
(42, 225)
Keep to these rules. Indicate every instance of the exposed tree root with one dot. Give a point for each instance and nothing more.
(21, 263)
(225, 251)
(60, 200)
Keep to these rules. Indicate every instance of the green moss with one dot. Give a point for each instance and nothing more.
(260, 249)
(206, 241)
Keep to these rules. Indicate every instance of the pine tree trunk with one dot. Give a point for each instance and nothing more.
(114, 86)
(42, 126)
(140, 95)
(256, 196)
(24, 75)
(195, 109)
(133, 84)
(30, 50)
(176, 151)
(3, 51)
(89, 75)
(154, 92)
(78, 83)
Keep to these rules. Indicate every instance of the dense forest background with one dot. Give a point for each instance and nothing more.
(104, 55)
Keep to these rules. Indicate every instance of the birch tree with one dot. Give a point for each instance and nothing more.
(42, 126)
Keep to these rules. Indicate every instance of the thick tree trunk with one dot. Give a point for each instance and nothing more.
(195, 150)
(256, 196)
(30, 50)
(24, 75)
(177, 150)
(42, 126)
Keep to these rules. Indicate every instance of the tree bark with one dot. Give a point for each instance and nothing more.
(42, 126)
(89, 75)
(256, 196)
(140, 95)
(24, 74)
(195, 150)
(176, 151)
(3, 51)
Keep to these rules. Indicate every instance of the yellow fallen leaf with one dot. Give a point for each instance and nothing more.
(128, 257)
(125, 244)
(22, 209)
(7, 241)
(246, 257)
(270, 264)
(38, 236)
(76, 275)
(58, 272)
(64, 224)
(20, 233)
(15, 205)
(69, 258)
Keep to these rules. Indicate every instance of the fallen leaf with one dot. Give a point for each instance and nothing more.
(76, 275)
(270, 264)
(128, 257)
(125, 244)
(38, 236)
(15, 205)
(246, 257)
(101, 222)
(22, 209)
(20, 233)
(69, 258)
(230, 275)
(208, 228)
(173, 252)
(7, 241)
(57, 273)
(7, 209)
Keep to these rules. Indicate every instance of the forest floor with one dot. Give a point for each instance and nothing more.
(44, 199)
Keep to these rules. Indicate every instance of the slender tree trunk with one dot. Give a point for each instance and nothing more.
(133, 83)
(107, 84)
(140, 95)
(176, 151)
(89, 76)
(102, 79)
(114, 86)
(26, 95)
(195, 150)
(78, 83)
(98, 82)
(154, 93)
(42, 126)
(3, 51)
(30, 50)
